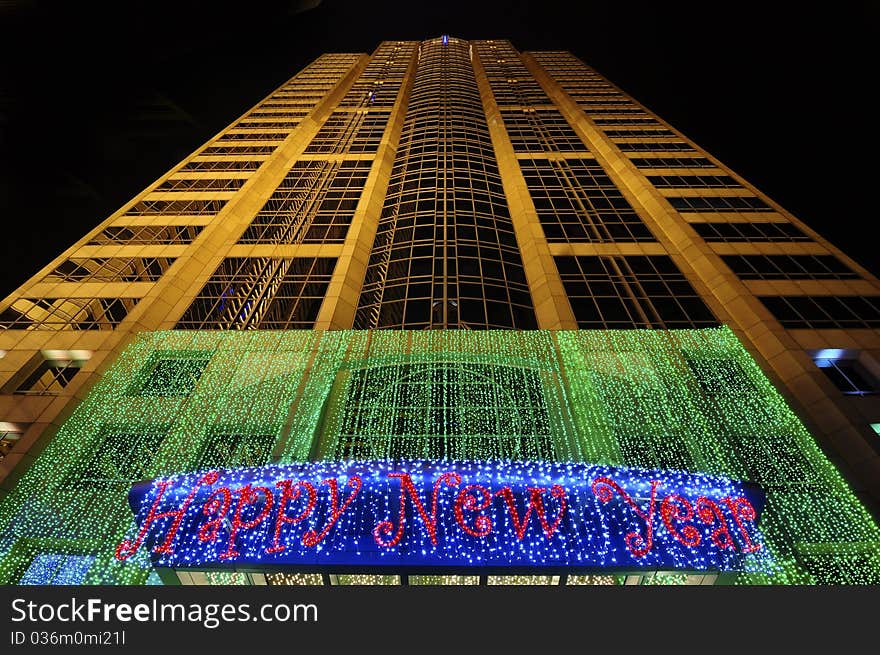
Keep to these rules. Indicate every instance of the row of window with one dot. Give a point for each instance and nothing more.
(753, 231)
(223, 165)
(202, 184)
(110, 269)
(542, 130)
(719, 204)
(693, 181)
(66, 313)
(825, 312)
(576, 201)
(247, 293)
(130, 235)
(313, 204)
(250, 123)
(789, 267)
(639, 133)
(631, 292)
(350, 132)
(628, 120)
(239, 150)
(672, 162)
(656, 146)
(175, 207)
(253, 136)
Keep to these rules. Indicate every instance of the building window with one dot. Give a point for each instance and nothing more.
(208, 184)
(444, 410)
(350, 132)
(159, 235)
(631, 292)
(638, 133)
(261, 293)
(171, 374)
(313, 204)
(720, 376)
(719, 204)
(876, 428)
(671, 162)
(576, 201)
(176, 207)
(789, 267)
(846, 372)
(223, 165)
(543, 130)
(121, 459)
(656, 146)
(234, 449)
(66, 313)
(752, 231)
(48, 372)
(693, 181)
(57, 569)
(824, 312)
(10, 433)
(110, 269)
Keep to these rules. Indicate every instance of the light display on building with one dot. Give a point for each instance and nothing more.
(447, 312)
(643, 432)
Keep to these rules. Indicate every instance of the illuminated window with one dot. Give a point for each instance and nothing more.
(171, 374)
(121, 459)
(720, 377)
(846, 372)
(876, 428)
(57, 569)
(227, 450)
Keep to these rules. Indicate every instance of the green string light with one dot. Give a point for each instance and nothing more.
(179, 401)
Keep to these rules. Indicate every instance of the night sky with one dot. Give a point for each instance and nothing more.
(98, 98)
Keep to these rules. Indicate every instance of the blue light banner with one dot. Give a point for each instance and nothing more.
(430, 514)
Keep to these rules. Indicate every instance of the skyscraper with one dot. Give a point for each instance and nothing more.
(447, 259)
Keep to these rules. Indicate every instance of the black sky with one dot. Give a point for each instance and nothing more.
(780, 94)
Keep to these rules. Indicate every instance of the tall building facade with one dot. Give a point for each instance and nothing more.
(446, 253)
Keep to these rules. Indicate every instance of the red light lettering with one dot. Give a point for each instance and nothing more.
(290, 491)
(408, 489)
(126, 549)
(247, 495)
(311, 538)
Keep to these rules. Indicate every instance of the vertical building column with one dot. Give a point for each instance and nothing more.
(552, 309)
(341, 300)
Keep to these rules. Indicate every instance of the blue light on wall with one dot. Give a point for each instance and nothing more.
(57, 569)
